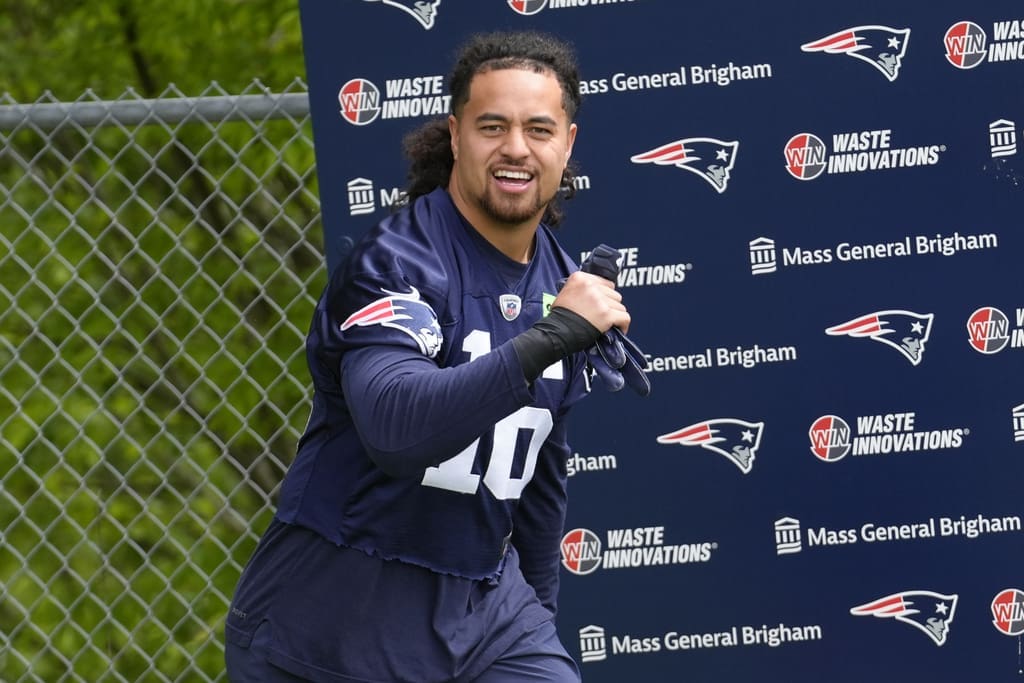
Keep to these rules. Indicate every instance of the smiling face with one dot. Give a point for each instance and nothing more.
(511, 142)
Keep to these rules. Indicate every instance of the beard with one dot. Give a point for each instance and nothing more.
(516, 209)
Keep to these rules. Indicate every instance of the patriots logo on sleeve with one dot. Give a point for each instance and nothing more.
(880, 46)
(904, 331)
(930, 612)
(709, 158)
(736, 439)
(405, 312)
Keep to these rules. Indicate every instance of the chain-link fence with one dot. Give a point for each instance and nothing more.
(159, 262)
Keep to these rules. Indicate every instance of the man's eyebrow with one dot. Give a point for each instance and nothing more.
(540, 118)
(489, 116)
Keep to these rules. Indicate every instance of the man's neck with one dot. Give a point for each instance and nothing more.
(514, 241)
(517, 245)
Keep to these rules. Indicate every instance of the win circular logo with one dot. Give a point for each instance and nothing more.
(989, 330)
(527, 7)
(830, 438)
(360, 102)
(1008, 612)
(965, 45)
(581, 551)
(805, 156)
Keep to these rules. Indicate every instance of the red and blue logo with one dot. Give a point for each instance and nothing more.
(407, 313)
(905, 331)
(931, 613)
(880, 46)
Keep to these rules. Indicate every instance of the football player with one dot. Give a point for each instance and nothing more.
(417, 533)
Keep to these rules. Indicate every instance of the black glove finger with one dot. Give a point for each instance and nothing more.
(603, 262)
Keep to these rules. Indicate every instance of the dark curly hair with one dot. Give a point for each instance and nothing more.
(428, 148)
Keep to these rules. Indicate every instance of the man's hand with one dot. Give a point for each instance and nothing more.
(615, 358)
(593, 298)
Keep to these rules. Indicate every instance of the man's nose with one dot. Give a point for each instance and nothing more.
(515, 145)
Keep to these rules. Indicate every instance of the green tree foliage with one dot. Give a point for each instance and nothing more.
(157, 281)
(68, 46)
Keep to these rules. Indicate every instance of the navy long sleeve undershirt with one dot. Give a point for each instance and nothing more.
(411, 414)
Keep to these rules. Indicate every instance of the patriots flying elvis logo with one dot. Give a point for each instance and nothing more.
(929, 612)
(709, 158)
(424, 11)
(737, 440)
(405, 312)
(880, 46)
(904, 331)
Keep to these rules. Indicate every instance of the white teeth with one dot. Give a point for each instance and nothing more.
(514, 175)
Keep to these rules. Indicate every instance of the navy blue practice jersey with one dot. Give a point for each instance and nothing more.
(464, 458)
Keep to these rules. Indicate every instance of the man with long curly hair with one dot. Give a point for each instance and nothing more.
(417, 534)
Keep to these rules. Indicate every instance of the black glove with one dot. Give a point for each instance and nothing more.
(615, 358)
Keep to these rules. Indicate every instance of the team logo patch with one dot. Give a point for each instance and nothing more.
(880, 46)
(423, 11)
(1008, 612)
(405, 312)
(737, 440)
(904, 331)
(510, 306)
(929, 612)
(709, 158)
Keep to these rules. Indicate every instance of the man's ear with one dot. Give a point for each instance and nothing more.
(453, 131)
(572, 140)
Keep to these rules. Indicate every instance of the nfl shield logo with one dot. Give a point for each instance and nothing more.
(510, 306)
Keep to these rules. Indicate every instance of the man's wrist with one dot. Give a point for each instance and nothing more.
(561, 333)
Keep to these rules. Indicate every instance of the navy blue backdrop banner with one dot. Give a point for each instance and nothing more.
(819, 211)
